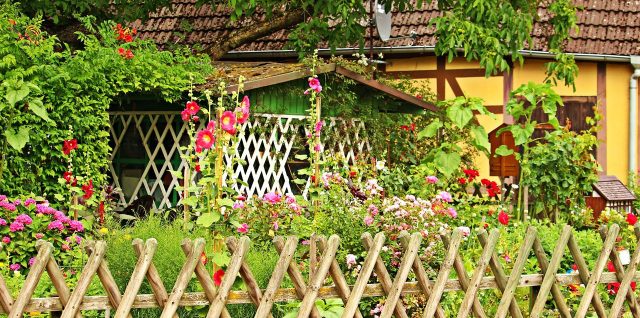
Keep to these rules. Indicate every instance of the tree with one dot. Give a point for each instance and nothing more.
(490, 31)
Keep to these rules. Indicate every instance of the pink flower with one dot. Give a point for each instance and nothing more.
(211, 126)
(243, 228)
(66, 247)
(243, 110)
(272, 198)
(318, 127)
(29, 202)
(185, 115)
(295, 207)
(317, 148)
(3, 222)
(290, 199)
(228, 122)
(275, 226)
(351, 260)
(3, 197)
(76, 226)
(373, 210)
(192, 108)
(205, 139)
(78, 239)
(32, 261)
(14, 267)
(238, 205)
(23, 218)
(432, 179)
(6, 240)
(466, 231)
(314, 84)
(444, 196)
(16, 226)
(39, 236)
(452, 212)
(368, 220)
(57, 224)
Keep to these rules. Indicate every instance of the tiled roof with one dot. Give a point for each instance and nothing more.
(612, 189)
(606, 27)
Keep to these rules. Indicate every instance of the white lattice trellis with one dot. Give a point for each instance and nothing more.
(267, 145)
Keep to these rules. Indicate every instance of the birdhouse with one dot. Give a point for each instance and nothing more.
(502, 166)
(610, 192)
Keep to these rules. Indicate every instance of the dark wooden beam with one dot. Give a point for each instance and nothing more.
(455, 86)
(282, 78)
(601, 155)
(507, 87)
(387, 89)
(467, 72)
(440, 79)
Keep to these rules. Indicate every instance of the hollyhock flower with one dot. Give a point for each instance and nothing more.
(466, 231)
(241, 198)
(351, 260)
(211, 126)
(444, 196)
(192, 108)
(205, 139)
(3, 222)
(243, 110)
(318, 127)
(196, 118)
(289, 199)
(198, 168)
(16, 226)
(368, 220)
(314, 84)
(6, 240)
(503, 218)
(69, 145)
(68, 177)
(352, 174)
(228, 121)
(197, 148)
(272, 197)
(14, 267)
(317, 148)
(32, 261)
(76, 226)
(56, 225)
(432, 179)
(88, 190)
(243, 228)
(632, 219)
(217, 277)
(185, 115)
(23, 218)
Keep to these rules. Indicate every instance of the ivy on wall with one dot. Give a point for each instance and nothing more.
(50, 93)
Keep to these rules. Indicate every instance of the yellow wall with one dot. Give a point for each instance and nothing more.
(491, 90)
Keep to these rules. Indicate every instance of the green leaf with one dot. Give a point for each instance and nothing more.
(481, 138)
(225, 202)
(191, 201)
(431, 130)
(459, 115)
(522, 133)
(207, 219)
(447, 163)
(37, 108)
(16, 93)
(301, 157)
(18, 139)
(503, 150)
(221, 259)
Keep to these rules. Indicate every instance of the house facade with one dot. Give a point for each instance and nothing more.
(605, 48)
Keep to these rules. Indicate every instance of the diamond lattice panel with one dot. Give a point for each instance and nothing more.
(266, 149)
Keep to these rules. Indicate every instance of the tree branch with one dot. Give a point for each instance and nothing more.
(252, 32)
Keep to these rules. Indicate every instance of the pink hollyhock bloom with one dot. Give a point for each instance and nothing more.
(295, 207)
(243, 228)
(16, 226)
(197, 148)
(6, 240)
(318, 127)
(243, 110)
(14, 267)
(211, 126)
(228, 122)
(76, 226)
(39, 236)
(314, 84)
(23, 218)
(241, 198)
(432, 179)
(185, 115)
(205, 139)
(3, 222)
(351, 260)
(368, 220)
(272, 198)
(452, 212)
(56, 225)
(192, 108)
(32, 261)
(317, 148)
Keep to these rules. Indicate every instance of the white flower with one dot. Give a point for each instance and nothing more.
(351, 260)
(514, 186)
(380, 165)
(466, 231)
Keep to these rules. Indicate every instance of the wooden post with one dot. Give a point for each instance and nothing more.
(74, 203)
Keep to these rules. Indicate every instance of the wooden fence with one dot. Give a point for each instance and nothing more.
(324, 264)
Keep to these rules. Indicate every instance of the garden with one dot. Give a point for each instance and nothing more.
(418, 185)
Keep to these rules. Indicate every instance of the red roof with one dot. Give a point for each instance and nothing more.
(606, 27)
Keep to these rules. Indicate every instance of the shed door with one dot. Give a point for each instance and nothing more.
(576, 109)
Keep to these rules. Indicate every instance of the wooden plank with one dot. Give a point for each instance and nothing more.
(253, 289)
(153, 278)
(549, 270)
(183, 279)
(229, 277)
(316, 281)
(338, 277)
(282, 78)
(383, 275)
(109, 284)
(590, 288)
(516, 271)
(351, 305)
(471, 293)
(421, 274)
(583, 273)
(58, 282)
(458, 265)
(6, 301)
(89, 270)
(443, 274)
(617, 264)
(31, 282)
(625, 285)
(137, 277)
(410, 253)
(284, 262)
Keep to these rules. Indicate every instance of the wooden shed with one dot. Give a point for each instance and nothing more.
(610, 192)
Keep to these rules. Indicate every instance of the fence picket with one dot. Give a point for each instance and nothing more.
(583, 273)
(230, 275)
(183, 279)
(253, 289)
(153, 278)
(30, 284)
(89, 270)
(625, 285)
(351, 305)
(443, 274)
(284, 262)
(471, 291)
(410, 253)
(319, 275)
(139, 272)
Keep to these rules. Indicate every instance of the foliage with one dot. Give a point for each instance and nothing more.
(26, 220)
(73, 89)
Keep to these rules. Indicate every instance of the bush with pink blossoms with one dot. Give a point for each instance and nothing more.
(25, 221)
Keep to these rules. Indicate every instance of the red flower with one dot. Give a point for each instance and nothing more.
(192, 108)
(88, 190)
(471, 174)
(462, 181)
(632, 219)
(492, 188)
(68, 176)
(574, 267)
(127, 54)
(352, 174)
(203, 258)
(69, 145)
(205, 139)
(217, 277)
(503, 218)
(197, 167)
(411, 127)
